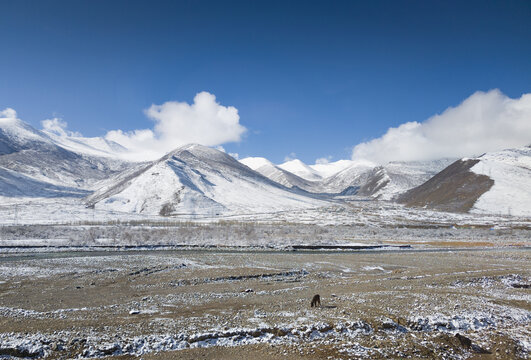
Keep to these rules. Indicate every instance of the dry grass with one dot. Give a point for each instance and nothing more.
(353, 286)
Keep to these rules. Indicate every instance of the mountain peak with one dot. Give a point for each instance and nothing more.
(195, 179)
(200, 152)
(300, 169)
(295, 162)
(16, 135)
(256, 162)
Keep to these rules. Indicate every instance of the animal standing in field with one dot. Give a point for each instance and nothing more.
(316, 300)
(466, 342)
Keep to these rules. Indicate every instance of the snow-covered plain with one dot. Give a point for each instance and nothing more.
(353, 211)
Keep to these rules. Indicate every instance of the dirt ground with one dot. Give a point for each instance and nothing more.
(211, 304)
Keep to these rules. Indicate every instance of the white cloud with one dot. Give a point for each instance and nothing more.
(323, 160)
(290, 156)
(205, 122)
(8, 113)
(58, 127)
(485, 121)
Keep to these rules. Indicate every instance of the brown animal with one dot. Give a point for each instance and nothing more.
(466, 342)
(316, 300)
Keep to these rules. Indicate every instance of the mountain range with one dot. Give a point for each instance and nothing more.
(195, 179)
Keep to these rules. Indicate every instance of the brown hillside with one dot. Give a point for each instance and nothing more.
(456, 189)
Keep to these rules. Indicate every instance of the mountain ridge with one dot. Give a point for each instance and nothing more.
(195, 179)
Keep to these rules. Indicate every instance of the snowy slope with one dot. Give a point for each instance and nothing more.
(13, 184)
(300, 169)
(386, 182)
(454, 189)
(256, 162)
(511, 192)
(34, 157)
(16, 135)
(195, 179)
(312, 173)
(328, 169)
(349, 179)
(496, 183)
(278, 175)
(96, 146)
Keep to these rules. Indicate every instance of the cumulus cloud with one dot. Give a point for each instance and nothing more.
(205, 122)
(58, 127)
(290, 156)
(8, 113)
(485, 121)
(323, 160)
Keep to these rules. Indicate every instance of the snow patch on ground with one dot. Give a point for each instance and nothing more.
(97, 346)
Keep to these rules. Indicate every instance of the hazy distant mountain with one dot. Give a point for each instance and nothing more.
(195, 179)
(495, 183)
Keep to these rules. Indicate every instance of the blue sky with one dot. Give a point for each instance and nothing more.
(313, 78)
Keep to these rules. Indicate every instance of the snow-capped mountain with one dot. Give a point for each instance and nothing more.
(386, 182)
(33, 164)
(195, 179)
(328, 169)
(95, 146)
(300, 169)
(16, 135)
(257, 162)
(350, 179)
(494, 183)
(353, 177)
(279, 175)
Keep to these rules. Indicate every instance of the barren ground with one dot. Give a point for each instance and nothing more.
(216, 304)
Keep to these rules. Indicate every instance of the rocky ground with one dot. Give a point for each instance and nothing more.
(213, 304)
